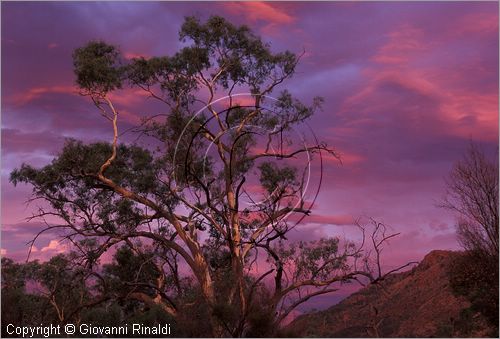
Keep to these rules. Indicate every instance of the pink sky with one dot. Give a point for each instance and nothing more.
(406, 86)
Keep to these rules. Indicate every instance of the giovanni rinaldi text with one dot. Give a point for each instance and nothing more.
(85, 329)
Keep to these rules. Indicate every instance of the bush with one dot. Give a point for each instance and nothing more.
(475, 277)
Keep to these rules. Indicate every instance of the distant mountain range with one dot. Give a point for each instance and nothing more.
(415, 303)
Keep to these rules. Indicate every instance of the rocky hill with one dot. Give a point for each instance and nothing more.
(416, 303)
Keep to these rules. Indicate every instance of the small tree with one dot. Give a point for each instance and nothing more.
(214, 195)
(472, 192)
(51, 292)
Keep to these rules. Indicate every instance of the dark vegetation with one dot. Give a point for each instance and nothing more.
(476, 278)
(55, 292)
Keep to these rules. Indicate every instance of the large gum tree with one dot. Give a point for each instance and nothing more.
(208, 204)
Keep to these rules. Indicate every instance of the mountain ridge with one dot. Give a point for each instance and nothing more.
(415, 303)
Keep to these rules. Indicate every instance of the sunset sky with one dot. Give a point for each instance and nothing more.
(406, 85)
